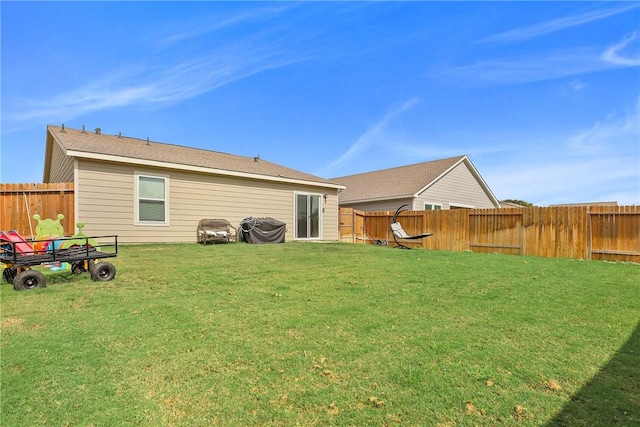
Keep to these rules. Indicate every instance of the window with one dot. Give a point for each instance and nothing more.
(432, 207)
(151, 200)
(308, 216)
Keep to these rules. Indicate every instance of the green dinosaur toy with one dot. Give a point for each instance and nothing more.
(48, 227)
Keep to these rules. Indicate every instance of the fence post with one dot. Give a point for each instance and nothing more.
(589, 242)
(354, 239)
(468, 230)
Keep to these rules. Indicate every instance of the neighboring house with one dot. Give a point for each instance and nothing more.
(146, 191)
(441, 184)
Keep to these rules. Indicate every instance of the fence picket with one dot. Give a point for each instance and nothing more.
(581, 232)
(19, 202)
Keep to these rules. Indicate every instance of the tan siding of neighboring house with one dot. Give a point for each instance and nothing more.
(61, 166)
(192, 196)
(459, 186)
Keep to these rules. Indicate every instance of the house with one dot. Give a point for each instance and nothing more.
(146, 191)
(440, 184)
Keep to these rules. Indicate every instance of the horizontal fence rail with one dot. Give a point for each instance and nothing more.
(580, 232)
(20, 202)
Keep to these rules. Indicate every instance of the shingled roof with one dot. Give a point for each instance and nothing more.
(95, 145)
(398, 182)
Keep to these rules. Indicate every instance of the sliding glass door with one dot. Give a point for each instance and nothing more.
(307, 216)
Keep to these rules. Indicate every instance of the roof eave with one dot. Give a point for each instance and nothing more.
(200, 169)
(429, 184)
(482, 182)
(48, 150)
(378, 199)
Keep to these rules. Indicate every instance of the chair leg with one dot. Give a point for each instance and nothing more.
(400, 245)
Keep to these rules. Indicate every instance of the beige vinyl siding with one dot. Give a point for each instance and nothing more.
(459, 186)
(330, 216)
(61, 166)
(106, 201)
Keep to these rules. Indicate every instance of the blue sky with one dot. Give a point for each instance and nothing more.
(544, 97)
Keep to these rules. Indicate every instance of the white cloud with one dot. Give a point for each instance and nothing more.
(598, 163)
(553, 65)
(412, 152)
(567, 180)
(210, 24)
(614, 54)
(577, 85)
(533, 68)
(615, 131)
(367, 139)
(164, 75)
(174, 82)
(554, 25)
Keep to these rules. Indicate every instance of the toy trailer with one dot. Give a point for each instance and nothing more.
(84, 254)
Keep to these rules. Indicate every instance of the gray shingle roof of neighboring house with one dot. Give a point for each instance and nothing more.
(79, 143)
(613, 203)
(403, 181)
(511, 205)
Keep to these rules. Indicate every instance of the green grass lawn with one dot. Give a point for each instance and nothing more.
(324, 334)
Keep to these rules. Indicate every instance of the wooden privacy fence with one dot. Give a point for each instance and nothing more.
(580, 232)
(19, 202)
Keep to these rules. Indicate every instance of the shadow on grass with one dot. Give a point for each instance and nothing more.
(63, 276)
(612, 397)
(54, 277)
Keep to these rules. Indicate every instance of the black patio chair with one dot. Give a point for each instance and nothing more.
(399, 233)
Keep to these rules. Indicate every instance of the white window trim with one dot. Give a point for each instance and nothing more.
(320, 215)
(136, 205)
(432, 204)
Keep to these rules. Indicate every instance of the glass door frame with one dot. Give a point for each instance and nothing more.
(308, 214)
